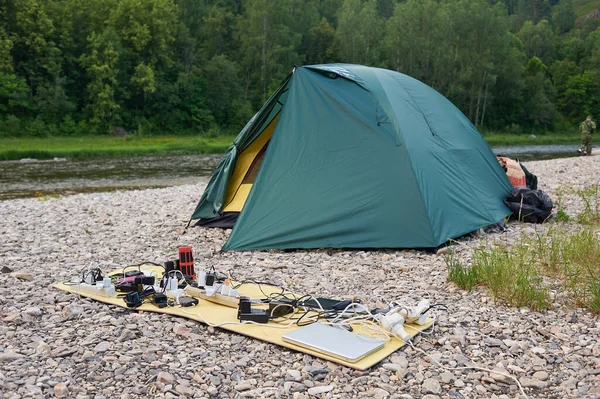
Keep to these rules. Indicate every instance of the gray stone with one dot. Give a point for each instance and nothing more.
(22, 276)
(393, 367)
(9, 356)
(295, 375)
(165, 378)
(533, 383)
(126, 335)
(292, 386)
(431, 385)
(33, 312)
(571, 383)
(500, 375)
(400, 360)
(447, 377)
(243, 386)
(541, 375)
(102, 347)
(379, 393)
(320, 389)
(72, 311)
(185, 390)
(493, 342)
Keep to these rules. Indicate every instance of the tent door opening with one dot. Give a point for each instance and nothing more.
(246, 169)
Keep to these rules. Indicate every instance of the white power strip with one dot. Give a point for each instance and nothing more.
(98, 289)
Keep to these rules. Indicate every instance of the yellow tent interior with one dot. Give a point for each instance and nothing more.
(246, 169)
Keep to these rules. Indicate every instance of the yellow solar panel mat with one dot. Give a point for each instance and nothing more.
(214, 313)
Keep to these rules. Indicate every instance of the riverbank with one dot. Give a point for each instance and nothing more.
(497, 140)
(104, 146)
(96, 350)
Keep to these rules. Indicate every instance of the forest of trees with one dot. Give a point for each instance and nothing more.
(75, 67)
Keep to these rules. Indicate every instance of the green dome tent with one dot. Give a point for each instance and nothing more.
(348, 156)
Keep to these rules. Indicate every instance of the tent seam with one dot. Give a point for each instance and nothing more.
(412, 167)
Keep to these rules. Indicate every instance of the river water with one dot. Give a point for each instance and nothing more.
(31, 178)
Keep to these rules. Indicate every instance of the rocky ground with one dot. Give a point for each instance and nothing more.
(56, 344)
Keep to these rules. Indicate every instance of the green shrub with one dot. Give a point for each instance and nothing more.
(37, 128)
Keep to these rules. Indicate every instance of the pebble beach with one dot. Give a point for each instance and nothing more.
(56, 344)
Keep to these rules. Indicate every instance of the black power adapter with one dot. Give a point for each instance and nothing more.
(246, 313)
(187, 301)
(210, 279)
(160, 300)
(279, 308)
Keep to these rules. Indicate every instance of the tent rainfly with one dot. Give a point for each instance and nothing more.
(348, 156)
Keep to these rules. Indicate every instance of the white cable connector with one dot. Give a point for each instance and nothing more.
(418, 314)
(394, 323)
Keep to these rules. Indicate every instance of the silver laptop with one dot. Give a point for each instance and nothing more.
(334, 342)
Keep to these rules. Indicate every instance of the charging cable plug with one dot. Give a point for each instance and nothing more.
(422, 320)
(390, 320)
(399, 331)
(394, 323)
(421, 308)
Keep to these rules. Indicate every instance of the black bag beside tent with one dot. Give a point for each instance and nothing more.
(527, 205)
(532, 180)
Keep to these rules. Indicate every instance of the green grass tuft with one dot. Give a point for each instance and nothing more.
(591, 202)
(523, 274)
(465, 277)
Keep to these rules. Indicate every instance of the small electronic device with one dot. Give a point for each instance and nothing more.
(326, 304)
(134, 299)
(134, 283)
(334, 342)
(186, 301)
(159, 299)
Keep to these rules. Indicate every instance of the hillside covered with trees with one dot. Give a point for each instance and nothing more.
(76, 67)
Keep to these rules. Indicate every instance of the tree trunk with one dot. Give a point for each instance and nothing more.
(471, 102)
(479, 98)
(484, 104)
(263, 69)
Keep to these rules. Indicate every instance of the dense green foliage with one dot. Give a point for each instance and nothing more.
(75, 67)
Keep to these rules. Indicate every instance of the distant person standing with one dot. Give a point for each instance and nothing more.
(587, 128)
